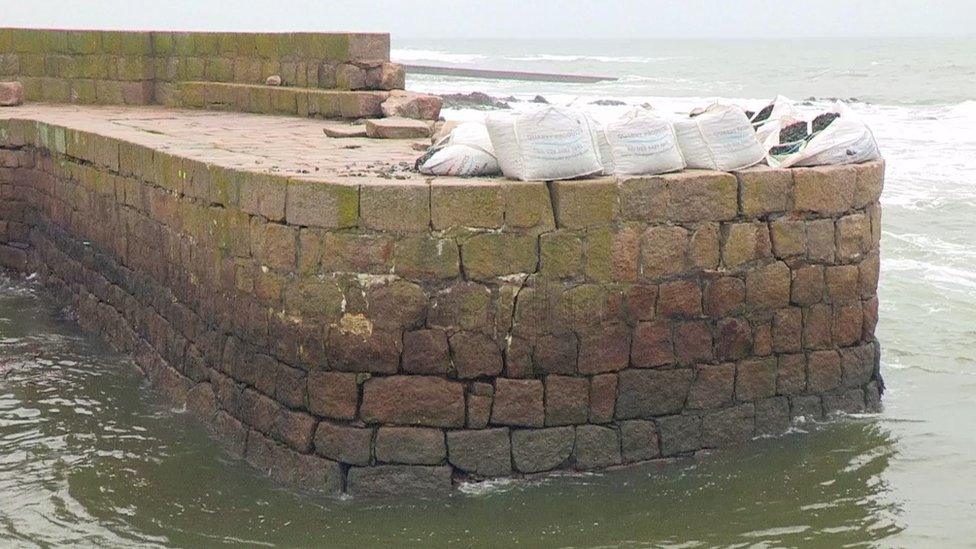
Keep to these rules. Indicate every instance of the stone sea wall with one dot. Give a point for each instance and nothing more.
(384, 336)
(204, 69)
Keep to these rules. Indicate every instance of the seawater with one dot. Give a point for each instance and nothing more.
(89, 456)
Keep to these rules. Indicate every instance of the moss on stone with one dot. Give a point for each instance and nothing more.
(162, 43)
(561, 254)
(422, 257)
(492, 255)
(205, 44)
(192, 94)
(283, 101)
(79, 41)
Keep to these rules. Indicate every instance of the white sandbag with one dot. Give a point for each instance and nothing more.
(846, 140)
(551, 143)
(641, 142)
(721, 139)
(782, 107)
(466, 151)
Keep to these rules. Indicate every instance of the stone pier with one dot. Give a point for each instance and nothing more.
(349, 325)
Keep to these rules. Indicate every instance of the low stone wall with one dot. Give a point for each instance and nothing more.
(381, 336)
(305, 102)
(141, 68)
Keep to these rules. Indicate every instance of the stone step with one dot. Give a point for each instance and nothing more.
(262, 99)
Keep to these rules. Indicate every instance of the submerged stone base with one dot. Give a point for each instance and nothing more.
(350, 332)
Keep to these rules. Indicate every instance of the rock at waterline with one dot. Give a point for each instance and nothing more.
(539, 99)
(473, 100)
(608, 102)
(406, 104)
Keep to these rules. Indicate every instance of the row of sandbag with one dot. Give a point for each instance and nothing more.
(562, 143)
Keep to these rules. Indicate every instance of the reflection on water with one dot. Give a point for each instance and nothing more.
(89, 456)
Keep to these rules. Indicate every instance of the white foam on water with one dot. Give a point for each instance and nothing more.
(931, 243)
(942, 276)
(485, 487)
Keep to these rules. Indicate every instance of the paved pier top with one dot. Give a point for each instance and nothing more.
(286, 146)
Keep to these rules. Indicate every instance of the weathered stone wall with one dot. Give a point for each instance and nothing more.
(380, 336)
(174, 68)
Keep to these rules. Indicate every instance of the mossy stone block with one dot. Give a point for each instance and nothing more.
(192, 94)
(220, 69)
(264, 195)
(205, 44)
(9, 64)
(227, 43)
(83, 41)
(127, 43)
(581, 204)
(259, 100)
(491, 255)
(284, 101)
(527, 205)
(266, 45)
(83, 91)
(701, 195)
(27, 40)
(402, 207)
(328, 205)
(32, 64)
(55, 90)
(462, 203)
(135, 68)
(162, 43)
(561, 254)
(425, 257)
(7, 40)
(182, 43)
(324, 104)
(225, 186)
(194, 68)
(54, 42)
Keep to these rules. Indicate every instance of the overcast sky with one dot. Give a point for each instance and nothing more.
(409, 19)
